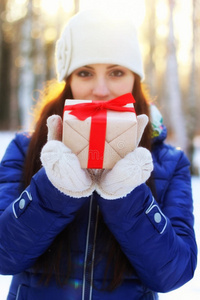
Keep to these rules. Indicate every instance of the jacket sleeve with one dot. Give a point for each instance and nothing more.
(30, 219)
(158, 240)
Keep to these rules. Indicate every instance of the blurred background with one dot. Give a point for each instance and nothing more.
(169, 32)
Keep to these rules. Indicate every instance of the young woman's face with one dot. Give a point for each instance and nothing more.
(101, 82)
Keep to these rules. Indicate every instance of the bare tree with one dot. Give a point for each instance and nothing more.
(175, 111)
(191, 102)
(150, 36)
(26, 78)
(34, 68)
(5, 64)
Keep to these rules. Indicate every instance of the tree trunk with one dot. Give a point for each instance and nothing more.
(150, 72)
(193, 95)
(173, 89)
(26, 75)
(5, 63)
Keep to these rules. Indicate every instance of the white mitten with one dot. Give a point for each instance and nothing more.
(62, 166)
(129, 172)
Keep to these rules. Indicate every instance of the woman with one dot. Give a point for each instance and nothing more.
(71, 233)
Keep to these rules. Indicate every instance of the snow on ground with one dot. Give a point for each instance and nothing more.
(191, 290)
(5, 138)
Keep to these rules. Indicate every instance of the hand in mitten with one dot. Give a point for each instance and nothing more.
(62, 166)
(129, 172)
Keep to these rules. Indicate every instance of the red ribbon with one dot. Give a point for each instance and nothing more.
(98, 111)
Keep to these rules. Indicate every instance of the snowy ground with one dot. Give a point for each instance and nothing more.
(191, 290)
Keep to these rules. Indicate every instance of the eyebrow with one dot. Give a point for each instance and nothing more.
(112, 66)
(109, 67)
(87, 67)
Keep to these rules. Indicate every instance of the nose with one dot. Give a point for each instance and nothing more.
(101, 89)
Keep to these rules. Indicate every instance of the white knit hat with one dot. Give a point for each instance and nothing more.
(93, 37)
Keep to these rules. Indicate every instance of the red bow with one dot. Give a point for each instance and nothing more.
(84, 110)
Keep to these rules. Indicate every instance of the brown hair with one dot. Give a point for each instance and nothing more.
(51, 261)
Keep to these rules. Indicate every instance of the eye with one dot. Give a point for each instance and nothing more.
(117, 73)
(84, 73)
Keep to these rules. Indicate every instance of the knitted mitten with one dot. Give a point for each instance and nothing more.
(129, 172)
(62, 166)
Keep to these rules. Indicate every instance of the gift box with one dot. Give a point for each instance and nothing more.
(100, 132)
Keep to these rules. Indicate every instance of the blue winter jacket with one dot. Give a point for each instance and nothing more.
(156, 235)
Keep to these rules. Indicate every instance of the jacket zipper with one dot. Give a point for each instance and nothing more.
(90, 250)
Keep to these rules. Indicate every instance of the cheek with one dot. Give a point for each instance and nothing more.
(130, 84)
(77, 90)
(125, 86)
(80, 90)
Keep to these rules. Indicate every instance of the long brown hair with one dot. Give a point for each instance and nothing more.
(51, 261)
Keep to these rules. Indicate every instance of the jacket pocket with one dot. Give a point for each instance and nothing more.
(22, 292)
